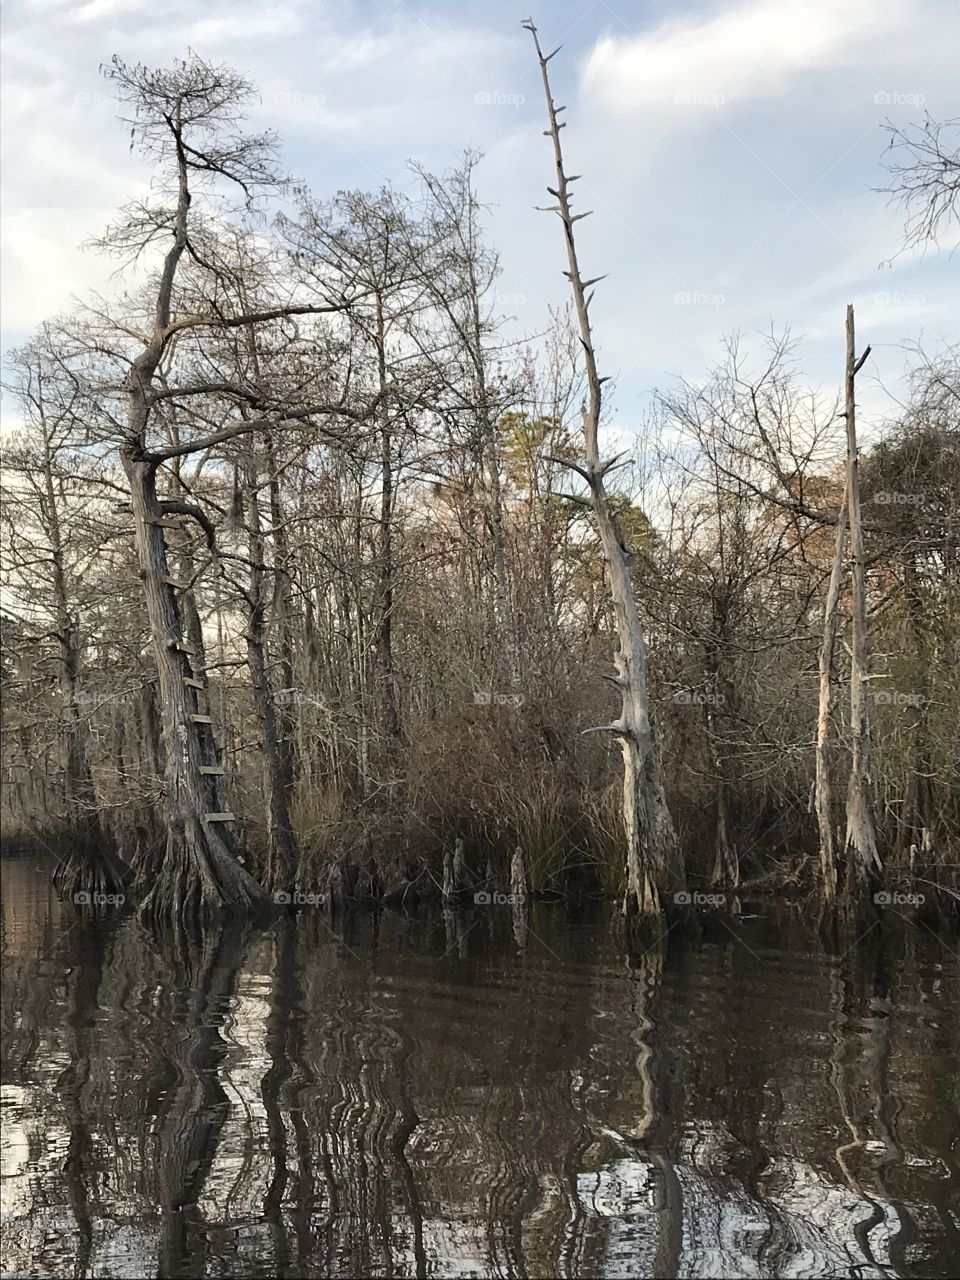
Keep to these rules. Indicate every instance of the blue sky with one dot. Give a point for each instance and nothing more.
(728, 150)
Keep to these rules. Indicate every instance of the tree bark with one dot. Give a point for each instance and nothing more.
(199, 875)
(385, 567)
(282, 852)
(823, 788)
(861, 840)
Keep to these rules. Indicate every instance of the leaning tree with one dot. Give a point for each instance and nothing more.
(187, 121)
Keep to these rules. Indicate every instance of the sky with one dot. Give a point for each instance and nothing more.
(730, 151)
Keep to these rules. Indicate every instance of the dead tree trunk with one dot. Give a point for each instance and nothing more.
(654, 870)
(823, 790)
(861, 840)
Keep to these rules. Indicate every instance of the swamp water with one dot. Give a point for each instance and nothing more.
(494, 1094)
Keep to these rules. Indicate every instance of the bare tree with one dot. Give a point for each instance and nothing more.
(923, 161)
(186, 120)
(861, 839)
(823, 792)
(653, 866)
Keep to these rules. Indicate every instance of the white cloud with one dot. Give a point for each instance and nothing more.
(765, 201)
(751, 49)
(44, 267)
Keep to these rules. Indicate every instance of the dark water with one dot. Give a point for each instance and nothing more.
(400, 1097)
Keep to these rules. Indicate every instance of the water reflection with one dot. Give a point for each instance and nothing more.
(474, 1094)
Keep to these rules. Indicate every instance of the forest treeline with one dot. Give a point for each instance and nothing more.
(305, 575)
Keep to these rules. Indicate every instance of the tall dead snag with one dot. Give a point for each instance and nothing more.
(654, 870)
(861, 839)
(823, 791)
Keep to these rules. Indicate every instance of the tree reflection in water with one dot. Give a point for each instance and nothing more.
(479, 1094)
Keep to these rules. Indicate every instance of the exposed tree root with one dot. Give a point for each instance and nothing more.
(200, 880)
(92, 868)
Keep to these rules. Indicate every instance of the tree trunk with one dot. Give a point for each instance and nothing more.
(823, 789)
(920, 818)
(199, 875)
(726, 863)
(861, 840)
(282, 852)
(91, 866)
(654, 870)
(491, 464)
(287, 721)
(385, 566)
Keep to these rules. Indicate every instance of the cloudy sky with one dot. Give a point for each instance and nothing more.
(728, 147)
